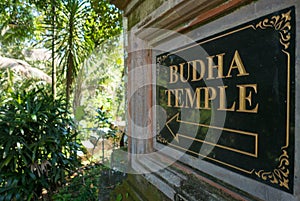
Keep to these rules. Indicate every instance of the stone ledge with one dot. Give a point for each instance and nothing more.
(179, 182)
(181, 17)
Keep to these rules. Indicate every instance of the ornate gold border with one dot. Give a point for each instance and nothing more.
(280, 23)
(160, 59)
(280, 174)
(161, 139)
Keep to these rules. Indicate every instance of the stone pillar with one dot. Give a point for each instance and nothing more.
(139, 95)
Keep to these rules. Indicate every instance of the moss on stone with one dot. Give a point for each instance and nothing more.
(142, 11)
(137, 188)
(202, 191)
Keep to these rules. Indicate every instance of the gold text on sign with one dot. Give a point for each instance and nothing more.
(201, 97)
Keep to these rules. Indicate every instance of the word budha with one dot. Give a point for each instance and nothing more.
(201, 97)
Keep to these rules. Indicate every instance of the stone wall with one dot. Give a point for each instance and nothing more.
(158, 26)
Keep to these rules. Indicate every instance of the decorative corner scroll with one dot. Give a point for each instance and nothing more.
(278, 175)
(161, 139)
(160, 59)
(280, 23)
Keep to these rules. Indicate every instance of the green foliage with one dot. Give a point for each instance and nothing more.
(19, 27)
(17, 20)
(104, 22)
(38, 140)
(38, 143)
(72, 44)
(119, 197)
(80, 27)
(102, 118)
(77, 26)
(83, 185)
(100, 82)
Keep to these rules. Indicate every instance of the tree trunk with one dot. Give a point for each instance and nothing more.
(53, 51)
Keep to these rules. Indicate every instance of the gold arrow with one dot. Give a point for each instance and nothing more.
(175, 135)
(167, 125)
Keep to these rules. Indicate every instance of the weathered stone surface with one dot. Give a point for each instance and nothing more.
(197, 20)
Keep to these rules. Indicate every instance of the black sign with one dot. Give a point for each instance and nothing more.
(230, 99)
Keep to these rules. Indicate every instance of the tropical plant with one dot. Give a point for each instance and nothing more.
(96, 85)
(105, 128)
(17, 25)
(84, 184)
(73, 45)
(71, 29)
(38, 143)
(80, 27)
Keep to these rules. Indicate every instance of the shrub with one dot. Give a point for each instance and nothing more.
(38, 143)
(84, 184)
